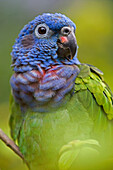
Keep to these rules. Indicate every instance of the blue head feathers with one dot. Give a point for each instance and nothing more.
(37, 43)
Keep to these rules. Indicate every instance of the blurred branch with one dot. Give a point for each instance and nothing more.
(11, 145)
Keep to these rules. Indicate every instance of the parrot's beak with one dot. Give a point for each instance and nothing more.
(67, 45)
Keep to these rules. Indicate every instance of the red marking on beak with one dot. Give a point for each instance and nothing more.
(63, 39)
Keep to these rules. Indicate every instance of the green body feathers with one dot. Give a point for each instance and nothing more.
(88, 115)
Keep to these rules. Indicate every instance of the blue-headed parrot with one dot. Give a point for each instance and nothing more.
(61, 109)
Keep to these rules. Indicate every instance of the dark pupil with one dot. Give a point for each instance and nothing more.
(42, 30)
(66, 30)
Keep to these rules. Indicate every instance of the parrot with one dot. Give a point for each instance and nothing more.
(61, 109)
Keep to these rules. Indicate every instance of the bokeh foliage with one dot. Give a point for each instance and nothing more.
(94, 21)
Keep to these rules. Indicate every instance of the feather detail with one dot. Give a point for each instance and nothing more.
(90, 78)
(37, 88)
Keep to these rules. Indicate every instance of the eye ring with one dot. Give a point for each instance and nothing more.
(41, 31)
(66, 30)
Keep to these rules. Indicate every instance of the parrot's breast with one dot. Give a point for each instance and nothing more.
(42, 89)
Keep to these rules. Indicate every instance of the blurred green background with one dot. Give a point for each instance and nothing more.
(94, 21)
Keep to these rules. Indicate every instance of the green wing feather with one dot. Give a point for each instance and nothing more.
(16, 118)
(90, 78)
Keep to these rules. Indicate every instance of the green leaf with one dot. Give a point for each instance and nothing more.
(67, 158)
(65, 148)
(71, 151)
(91, 141)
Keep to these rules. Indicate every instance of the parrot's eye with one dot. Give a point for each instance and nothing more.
(41, 31)
(65, 30)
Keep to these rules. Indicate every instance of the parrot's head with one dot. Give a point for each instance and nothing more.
(47, 40)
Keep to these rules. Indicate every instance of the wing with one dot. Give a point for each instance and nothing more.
(90, 79)
(16, 118)
(92, 102)
(96, 97)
